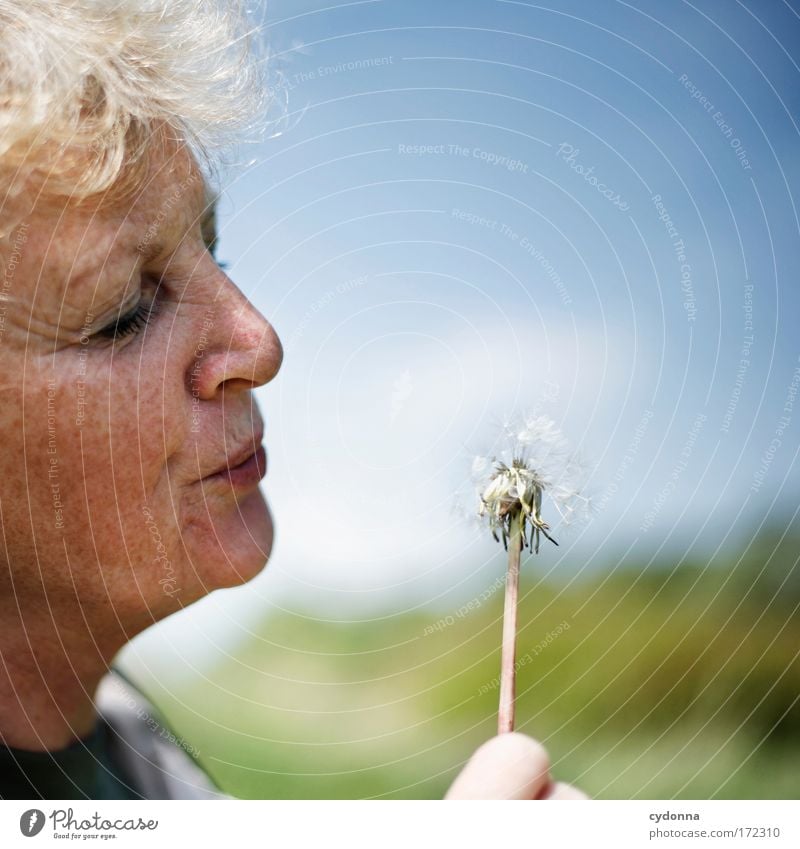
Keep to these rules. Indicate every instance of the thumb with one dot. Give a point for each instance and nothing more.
(510, 766)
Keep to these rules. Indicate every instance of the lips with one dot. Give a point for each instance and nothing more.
(244, 467)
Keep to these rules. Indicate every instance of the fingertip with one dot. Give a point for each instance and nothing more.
(521, 747)
(509, 766)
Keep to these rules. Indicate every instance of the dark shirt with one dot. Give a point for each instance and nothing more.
(130, 754)
(84, 770)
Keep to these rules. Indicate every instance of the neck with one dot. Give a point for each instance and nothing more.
(50, 668)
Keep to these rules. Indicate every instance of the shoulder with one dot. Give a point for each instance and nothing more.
(156, 761)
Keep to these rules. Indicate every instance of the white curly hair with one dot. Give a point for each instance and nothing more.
(87, 86)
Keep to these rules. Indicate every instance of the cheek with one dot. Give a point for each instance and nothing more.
(86, 454)
(134, 423)
(132, 433)
(93, 487)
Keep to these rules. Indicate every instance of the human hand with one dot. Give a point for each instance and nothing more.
(510, 766)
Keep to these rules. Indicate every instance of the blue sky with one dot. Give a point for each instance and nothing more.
(588, 209)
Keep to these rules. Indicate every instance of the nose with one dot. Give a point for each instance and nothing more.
(241, 350)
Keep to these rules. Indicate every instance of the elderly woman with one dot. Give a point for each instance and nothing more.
(132, 446)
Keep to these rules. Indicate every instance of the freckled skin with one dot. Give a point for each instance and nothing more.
(139, 534)
(108, 519)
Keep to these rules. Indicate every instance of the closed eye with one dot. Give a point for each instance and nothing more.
(130, 323)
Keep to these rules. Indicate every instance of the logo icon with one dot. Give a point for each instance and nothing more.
(31, 822)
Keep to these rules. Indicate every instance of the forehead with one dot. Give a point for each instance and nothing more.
(170, 199)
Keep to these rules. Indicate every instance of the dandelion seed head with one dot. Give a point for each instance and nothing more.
(532, 463)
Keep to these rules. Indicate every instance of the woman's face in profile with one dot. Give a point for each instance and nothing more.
(127, 360)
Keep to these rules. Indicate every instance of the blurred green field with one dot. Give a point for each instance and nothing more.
(679, 681)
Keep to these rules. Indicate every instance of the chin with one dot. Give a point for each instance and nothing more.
(234, 546)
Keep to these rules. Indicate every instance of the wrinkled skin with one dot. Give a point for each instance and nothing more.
(110, 520)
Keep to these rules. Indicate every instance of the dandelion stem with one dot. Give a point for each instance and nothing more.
(505, 716)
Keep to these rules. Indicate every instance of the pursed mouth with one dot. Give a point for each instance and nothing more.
(245, 468)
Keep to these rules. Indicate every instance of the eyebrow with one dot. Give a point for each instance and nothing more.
(150, 247)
